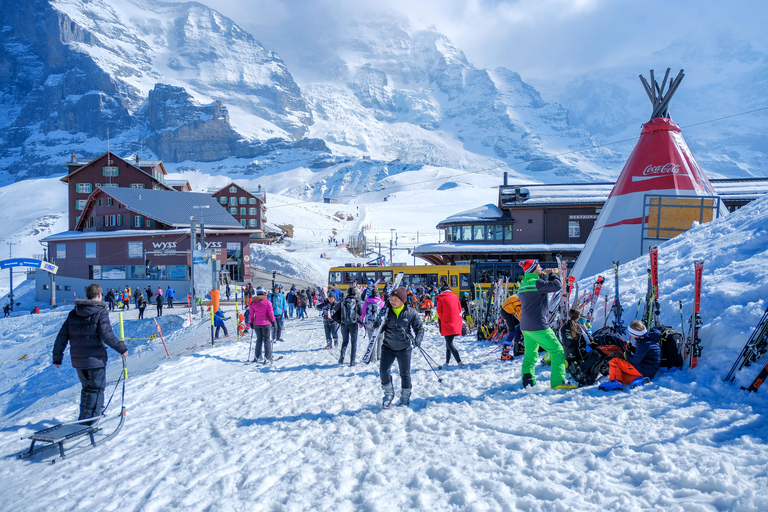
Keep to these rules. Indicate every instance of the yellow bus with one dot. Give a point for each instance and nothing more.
(457, 276)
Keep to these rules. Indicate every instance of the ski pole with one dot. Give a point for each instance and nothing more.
(494, 350)
(639, 302)
(249, 346)
(682, 322)
(430, 364)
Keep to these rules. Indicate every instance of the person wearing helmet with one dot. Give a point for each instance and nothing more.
(262, 316)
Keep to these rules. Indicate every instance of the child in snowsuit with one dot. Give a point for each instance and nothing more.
(218, 321)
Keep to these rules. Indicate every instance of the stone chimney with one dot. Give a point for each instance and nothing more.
(74, 158)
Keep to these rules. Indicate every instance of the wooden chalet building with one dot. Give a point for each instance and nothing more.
(542, 221)
(248, 207)
(109, 170)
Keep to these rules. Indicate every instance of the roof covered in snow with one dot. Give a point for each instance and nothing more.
(483, 213)
(451, 248)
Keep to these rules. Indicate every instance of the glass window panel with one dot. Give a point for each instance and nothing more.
(334, 277)
(113, 271)
(137, 272)
(135, 249)
(498, 232)
(508, 232)
(386, 276)
(479, 232)
(177, 272)
(156, 272)
(574, 229)
(489, 231)
(90, 250)
(61, 251)
(466, 233)
(350, 277)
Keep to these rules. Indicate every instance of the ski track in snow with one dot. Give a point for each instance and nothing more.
(206, 432)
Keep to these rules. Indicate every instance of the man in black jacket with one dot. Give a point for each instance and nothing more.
(87, 328)
(399, 321)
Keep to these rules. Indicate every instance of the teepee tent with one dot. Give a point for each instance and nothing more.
(660, 192)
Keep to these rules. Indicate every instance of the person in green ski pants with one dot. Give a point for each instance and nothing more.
(534, 305)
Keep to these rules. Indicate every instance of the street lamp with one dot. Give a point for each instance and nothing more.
(202, 224)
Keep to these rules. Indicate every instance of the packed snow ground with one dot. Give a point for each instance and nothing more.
(206, 432)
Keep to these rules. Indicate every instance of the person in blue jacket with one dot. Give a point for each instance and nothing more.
(279, 307)
(169, 293)
(218, 321)
(640, 363)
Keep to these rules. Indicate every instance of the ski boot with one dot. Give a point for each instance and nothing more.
(505, 353)
(405, 397)
(640, 381)
(528, 380)
(566, 384)
(611, 385)
(389, 395)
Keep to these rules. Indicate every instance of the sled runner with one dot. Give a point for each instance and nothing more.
(70, 432)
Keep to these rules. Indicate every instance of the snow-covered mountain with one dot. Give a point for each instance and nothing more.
(183, 83)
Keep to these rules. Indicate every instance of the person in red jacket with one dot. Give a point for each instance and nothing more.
(449, 322)
(261, 316)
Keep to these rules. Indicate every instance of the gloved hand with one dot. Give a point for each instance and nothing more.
(417, 342)
(377, 323)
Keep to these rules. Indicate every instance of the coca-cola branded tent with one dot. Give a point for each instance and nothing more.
(657, 188)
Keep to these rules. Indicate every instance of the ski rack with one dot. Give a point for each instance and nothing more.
(64, 432)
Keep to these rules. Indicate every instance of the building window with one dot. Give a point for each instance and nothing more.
(90, 250)
(120, 220)
(466, 233)
(111, 171)
(80, 204)
(90, 222)
(223, 200)
(233, 211)
(232, 201)
(61, 251)
(111, 185)
(252, 223)
(138, 221)
(508, 232)
(574, 230)
(98, 185)
(252, 200)
(479, 233)
(137, 185)
(233, 190)
(109, 201)
(158, 176)
(243, 200)
(242, 211)
(242, 221)
(150, 223)
(251, 211)
(135, 249)
(498, 233)
(83, 188)
(530, 221)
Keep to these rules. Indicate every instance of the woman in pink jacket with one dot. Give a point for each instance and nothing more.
(261, 317)
(450, 322)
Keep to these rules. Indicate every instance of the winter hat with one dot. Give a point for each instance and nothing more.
(351, 290)
(401, 293)
(529, 265)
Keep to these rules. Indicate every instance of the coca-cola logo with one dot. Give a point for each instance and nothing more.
(669, 168)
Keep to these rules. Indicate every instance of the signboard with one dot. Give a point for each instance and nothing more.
(202, 266)
(26, 262)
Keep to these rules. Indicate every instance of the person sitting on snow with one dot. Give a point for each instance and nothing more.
(574, 338)
(639, 365)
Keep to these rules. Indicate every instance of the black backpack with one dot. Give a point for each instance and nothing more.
(349, 311)
(587, 372)
(671, 349)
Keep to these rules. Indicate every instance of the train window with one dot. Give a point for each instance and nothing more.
(350, 277)
(334, 277)
(464, 280)
(368, 275)
(386, 276)
(454, 281)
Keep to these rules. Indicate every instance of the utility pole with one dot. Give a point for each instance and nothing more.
(10, 269)
(192, 248)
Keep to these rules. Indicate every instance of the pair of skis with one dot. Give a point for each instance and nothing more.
(692, 349)
(756, 346)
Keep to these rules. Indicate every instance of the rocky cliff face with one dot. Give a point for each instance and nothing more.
(180, 130)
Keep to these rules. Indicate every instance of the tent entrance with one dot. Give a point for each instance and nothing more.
(666, 216)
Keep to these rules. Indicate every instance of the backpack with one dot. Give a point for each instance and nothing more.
(371, 311)
(464, 328)
(671, 350)
(595, 365)
(349, 311)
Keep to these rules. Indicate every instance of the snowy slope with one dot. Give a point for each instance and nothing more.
(204, 431)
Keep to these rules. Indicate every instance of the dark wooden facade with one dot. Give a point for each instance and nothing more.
(247, 207)
(84, 178)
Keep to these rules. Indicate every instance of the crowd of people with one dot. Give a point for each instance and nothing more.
(121, 299)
